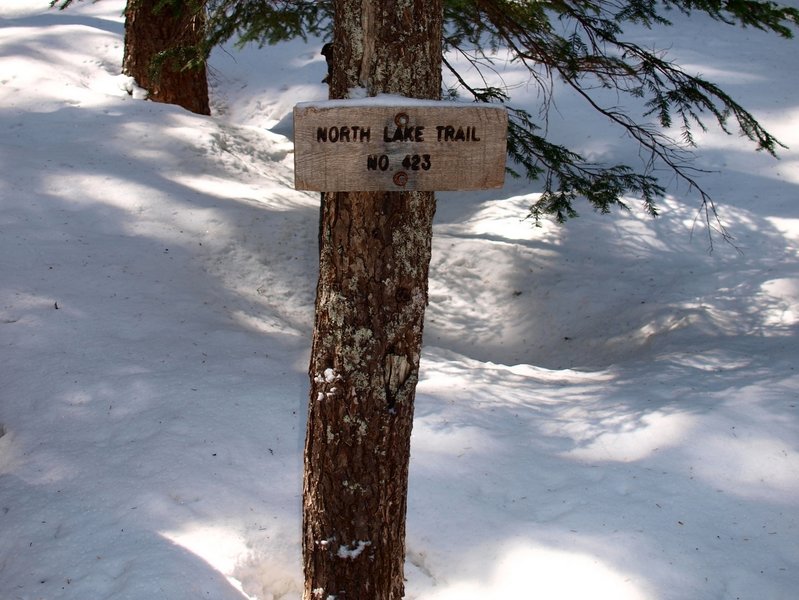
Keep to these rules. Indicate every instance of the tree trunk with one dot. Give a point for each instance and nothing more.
(173, 28)
(370, 304)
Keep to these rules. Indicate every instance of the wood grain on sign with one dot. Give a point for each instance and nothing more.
(409, 147)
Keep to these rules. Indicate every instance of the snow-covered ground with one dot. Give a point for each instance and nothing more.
(606, 410)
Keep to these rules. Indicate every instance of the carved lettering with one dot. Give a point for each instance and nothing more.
(448, 133)
(403, 134)
(377, 161)
(414, 162)
(414, 147)
(343, 133)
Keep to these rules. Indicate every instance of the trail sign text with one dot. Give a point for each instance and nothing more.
(422, 146)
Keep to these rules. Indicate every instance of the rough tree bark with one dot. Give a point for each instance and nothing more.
(371, 298)
(149, 32)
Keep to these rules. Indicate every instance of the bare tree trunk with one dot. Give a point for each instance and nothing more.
(148, 33)
(370, 305)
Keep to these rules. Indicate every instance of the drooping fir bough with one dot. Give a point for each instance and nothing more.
(581, 43)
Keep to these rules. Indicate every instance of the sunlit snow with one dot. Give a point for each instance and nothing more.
(605, 409)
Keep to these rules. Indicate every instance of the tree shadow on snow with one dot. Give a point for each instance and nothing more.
(602, 403)
(171, 325)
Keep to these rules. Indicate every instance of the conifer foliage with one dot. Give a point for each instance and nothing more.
(578, 42)
(582, 44)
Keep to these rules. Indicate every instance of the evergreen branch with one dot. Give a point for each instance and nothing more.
(265, 22)
(578, 41)
(763, 15)
(586, 51)
(661, 148)
(486, 94)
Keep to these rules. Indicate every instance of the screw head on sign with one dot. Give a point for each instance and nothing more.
(401, 119)
(400, 178)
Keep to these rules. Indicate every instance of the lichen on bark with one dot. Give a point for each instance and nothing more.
(371, 298)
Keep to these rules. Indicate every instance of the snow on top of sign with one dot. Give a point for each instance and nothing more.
(357, 100)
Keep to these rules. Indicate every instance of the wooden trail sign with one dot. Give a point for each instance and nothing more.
(344, 146)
